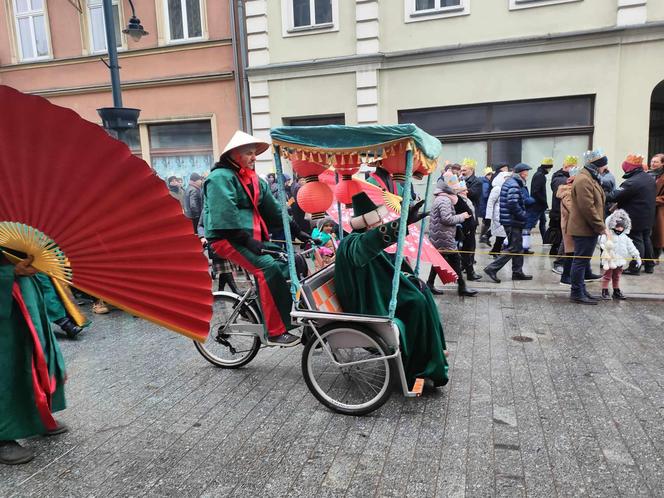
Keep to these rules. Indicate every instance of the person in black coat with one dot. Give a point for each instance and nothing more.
(636, 195)
(555, 230)
(467, 232)
(537, 210)
(513, 219)
(473, 184)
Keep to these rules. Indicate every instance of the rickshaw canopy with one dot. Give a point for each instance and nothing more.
(370, 140)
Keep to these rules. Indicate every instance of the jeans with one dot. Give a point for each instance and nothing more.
(642, 241)
(515, 240)
(583, 249)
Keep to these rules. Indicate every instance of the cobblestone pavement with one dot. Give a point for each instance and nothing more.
(576, 410)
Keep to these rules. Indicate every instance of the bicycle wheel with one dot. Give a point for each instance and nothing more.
(230, 349)
(355, 389)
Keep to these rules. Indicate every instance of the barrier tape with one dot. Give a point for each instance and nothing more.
(536, 254)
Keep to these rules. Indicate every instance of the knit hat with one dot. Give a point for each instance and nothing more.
(442, 186)
(365, 212)
(593, 156)
(521, 167)
(195, 177)
(570, 161)
(455, 184)
(632, 162)
(548, 162)
(497, 166)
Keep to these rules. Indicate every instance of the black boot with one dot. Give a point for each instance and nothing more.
(472, 276)
(617, 294)
(227, 278)
(69, 327)
(430, 283)
(605, 295)
(465, 291)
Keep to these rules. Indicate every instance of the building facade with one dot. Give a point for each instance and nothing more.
(180, 75)
(495, 80)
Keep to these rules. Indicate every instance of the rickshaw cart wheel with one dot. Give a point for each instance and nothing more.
(229, 350)
(354, 389)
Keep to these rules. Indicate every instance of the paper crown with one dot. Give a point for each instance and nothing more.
(635, 159)
(571, 161)
(547, 161)
(593, 155)
(469, 162)
(488, 170)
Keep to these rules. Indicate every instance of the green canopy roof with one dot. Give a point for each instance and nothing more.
(333, 138)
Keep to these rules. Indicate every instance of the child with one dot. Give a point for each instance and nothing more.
(324, 254)
(617, 249)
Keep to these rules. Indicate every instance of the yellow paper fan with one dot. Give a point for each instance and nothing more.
(48, 257)
(392, 201)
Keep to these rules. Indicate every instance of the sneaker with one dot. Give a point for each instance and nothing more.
(12, 453)
(285, 340)
(605, 295)
(617, 294)
(100, 308)
(565, 282)
(557, 269)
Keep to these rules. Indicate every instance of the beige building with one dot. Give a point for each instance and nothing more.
(181, 75)
(496, 80)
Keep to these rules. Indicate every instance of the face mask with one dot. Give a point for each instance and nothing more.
(574, 171)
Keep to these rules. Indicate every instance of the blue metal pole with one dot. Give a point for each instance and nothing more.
(405, 205)
(423, 226)
(111, 46)
(295, 283)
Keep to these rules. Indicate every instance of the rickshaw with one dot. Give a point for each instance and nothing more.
(349, 361)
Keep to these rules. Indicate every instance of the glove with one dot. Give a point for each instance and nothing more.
(317, 242)
(255, 246)
(413, 215)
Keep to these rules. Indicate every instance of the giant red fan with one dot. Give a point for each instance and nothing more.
(98, 216)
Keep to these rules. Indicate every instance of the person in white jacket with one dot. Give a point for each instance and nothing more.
(617, 250)
(493, 212)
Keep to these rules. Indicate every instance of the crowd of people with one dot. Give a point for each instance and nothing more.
(588, 211)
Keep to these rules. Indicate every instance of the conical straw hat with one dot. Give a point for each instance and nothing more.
(241, 138)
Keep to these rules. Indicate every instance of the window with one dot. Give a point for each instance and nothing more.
(308, 15)
(97, 27)
(525, 4)
(335, 119)
(421, 10)
(179, 149)
(31, 29)
(183, 20)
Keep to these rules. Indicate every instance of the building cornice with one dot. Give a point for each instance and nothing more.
(552, 42)
(128, 85)
(164, 49)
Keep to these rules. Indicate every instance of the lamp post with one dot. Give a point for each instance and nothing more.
(118, 118)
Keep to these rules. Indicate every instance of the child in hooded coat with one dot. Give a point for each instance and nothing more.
(617, 250)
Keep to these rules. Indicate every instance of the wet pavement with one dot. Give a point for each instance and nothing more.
(546, 398)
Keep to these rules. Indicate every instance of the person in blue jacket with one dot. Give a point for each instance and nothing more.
(485, 230)
(513, 219)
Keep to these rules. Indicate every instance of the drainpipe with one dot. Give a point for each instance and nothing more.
(242, 39)
(236, 65)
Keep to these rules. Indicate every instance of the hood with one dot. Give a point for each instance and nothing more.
(619, 214)
(500, 179)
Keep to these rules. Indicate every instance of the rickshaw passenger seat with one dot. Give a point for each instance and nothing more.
(325, 298)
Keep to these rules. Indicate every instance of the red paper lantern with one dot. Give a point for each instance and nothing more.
(307, 168)
(315, 197)
(346, 189)
(395, 165)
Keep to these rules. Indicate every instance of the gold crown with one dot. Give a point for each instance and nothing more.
(469, 162)
(571, 160)
(547, 161)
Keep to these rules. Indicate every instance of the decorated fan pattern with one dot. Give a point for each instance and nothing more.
(95, 216)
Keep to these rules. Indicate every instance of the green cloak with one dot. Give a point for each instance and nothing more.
(363, 280)
(19, 415)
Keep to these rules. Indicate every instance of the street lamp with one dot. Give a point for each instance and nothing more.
(118, 118)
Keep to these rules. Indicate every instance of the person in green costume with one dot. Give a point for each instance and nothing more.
(54, 307)
(32, 369)
(239, 210)
(363, 279)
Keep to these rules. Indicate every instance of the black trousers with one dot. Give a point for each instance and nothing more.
(642, 241)
(468, 258)
(515, 241)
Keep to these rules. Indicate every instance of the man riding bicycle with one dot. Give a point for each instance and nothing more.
(239, 212)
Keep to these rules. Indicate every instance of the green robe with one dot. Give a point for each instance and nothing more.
(228, 207)
(19, 415)
(363, 280)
